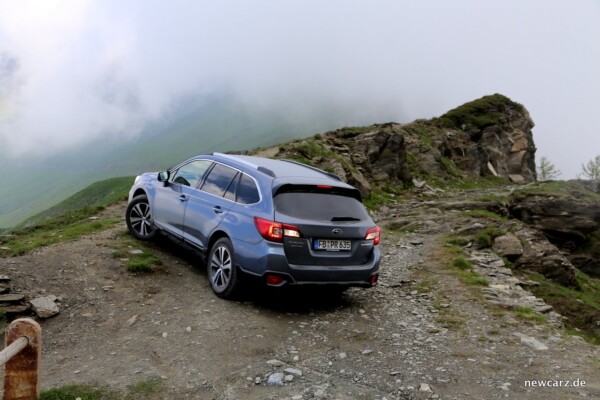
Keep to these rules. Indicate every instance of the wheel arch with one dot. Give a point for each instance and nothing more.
(139, 192)
(216, 235)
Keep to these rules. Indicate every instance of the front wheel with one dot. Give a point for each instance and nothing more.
(139, 218)
(221, 271)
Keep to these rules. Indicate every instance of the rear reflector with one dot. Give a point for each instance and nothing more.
(374, 234)
(374, 279)
(274, 280)
(275, 231)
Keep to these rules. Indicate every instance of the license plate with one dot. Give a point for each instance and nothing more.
(332, 245)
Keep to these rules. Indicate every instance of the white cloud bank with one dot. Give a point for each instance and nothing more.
(73, 71)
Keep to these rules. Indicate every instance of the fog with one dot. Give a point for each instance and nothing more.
(75, 71)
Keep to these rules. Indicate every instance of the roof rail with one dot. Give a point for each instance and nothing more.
(329, 174)
(246, 163)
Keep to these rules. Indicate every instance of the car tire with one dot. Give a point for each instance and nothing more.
(139, 218)
(221, 270)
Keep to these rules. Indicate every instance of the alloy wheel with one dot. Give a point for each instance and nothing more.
(220, 268)
(141, 219)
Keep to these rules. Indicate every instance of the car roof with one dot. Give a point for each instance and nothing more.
(279, 168)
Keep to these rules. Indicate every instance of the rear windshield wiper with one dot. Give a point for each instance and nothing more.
(345, 219)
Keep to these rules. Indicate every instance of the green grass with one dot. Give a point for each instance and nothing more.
(560, 189)
(142, 263)
(529, 314)
(96, 196)
(136, 263)
(350, 132)
(493, 198)
(67, 227)
(377, 198)
(450, 318)
(72, 392)
(145, 389)
(69, 220)
(478, 114)
(486, 214)
(151, 388)
(581, 307)
(457, 241)
(462, 264)
(311, 149)
(463, 269)
(451, 168)
(485, 237)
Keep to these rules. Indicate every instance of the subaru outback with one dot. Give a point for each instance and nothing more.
(281, 221)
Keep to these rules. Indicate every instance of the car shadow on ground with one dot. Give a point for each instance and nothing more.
(287, 299)
(297, 299)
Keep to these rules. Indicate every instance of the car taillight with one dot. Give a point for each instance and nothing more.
(275, 231)
(374, 234)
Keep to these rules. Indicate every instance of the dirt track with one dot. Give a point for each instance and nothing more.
(419, 329)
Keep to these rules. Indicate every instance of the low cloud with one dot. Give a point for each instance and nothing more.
(75, 71)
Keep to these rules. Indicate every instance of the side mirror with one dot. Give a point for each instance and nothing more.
(163, 176)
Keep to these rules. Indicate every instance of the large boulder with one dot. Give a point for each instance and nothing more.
(569, 216)
(541, 256)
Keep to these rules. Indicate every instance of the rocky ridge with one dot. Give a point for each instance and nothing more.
(488, 137)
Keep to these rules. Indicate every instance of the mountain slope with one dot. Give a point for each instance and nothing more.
(32, 185)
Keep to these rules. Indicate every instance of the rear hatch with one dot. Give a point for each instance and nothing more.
(332, 225)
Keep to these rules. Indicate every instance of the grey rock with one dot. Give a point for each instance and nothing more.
(424, 387)
(508, 246)
(531, 342)
(275, 379)
(293, 371)
(44, 307)
(544, 309)
(12, 298)
(275, 363)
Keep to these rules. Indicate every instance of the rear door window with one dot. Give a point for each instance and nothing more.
(230, 192)
(320, 205)
(218, 180)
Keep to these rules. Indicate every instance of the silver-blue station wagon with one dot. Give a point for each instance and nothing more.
(281, 221)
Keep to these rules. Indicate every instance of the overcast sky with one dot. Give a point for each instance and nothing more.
(72, 71)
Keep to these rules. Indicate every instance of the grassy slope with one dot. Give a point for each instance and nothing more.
(28, 188)
(69, 219)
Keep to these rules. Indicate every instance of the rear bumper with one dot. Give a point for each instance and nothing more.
(274, 262)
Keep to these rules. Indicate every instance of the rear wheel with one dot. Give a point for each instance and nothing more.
(139, 218)
(222, 274)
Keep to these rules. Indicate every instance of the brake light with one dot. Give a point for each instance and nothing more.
(275, 231)
(374, 234)
(324, 186)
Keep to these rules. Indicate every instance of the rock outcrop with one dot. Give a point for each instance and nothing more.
(486, 137)
(490, 136)
(569, 216)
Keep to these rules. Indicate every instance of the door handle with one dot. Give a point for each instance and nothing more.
(217, 209)
(183, 198)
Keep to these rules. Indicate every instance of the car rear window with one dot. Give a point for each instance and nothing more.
(320, 205)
